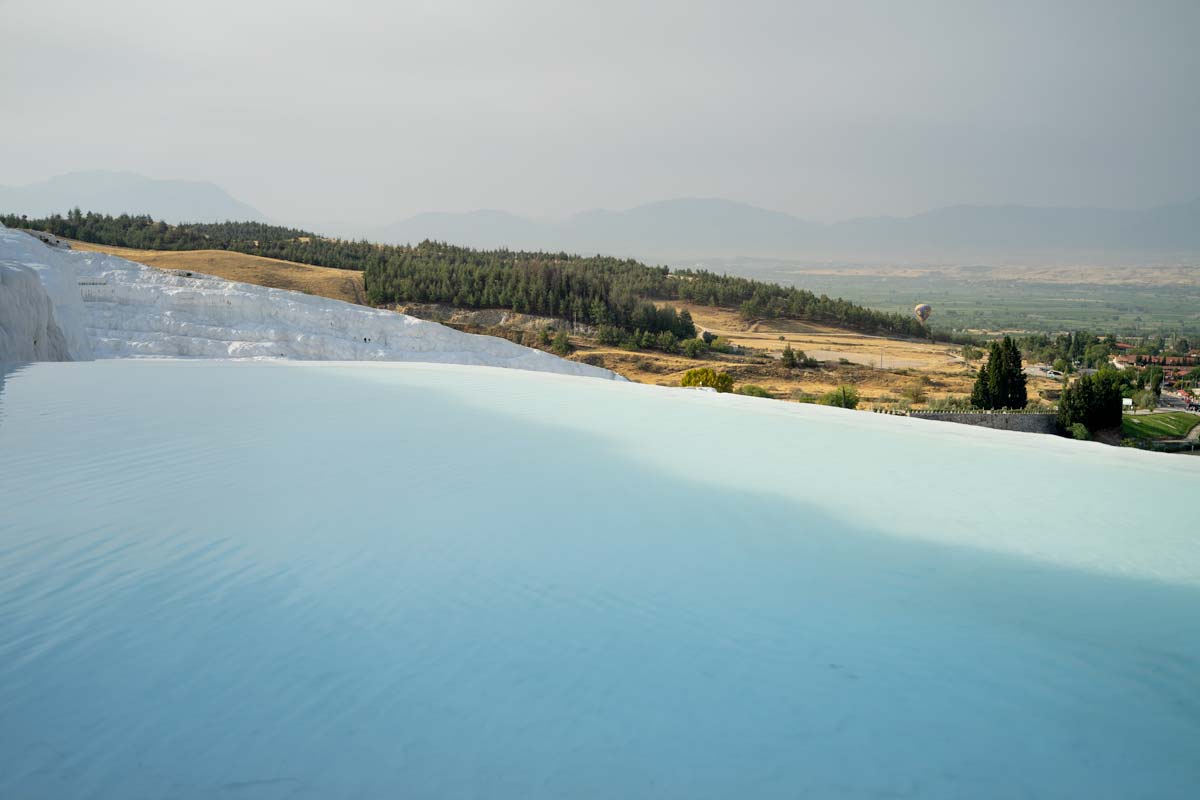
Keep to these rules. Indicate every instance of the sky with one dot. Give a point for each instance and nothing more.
(372, 111)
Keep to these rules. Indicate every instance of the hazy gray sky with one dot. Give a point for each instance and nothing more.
(325, 111)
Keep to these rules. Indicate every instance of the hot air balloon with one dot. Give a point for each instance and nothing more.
(923, 311)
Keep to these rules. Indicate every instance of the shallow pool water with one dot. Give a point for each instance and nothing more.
(268, 580)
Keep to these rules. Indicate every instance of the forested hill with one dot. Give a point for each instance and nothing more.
(145, 233)
(598, 290)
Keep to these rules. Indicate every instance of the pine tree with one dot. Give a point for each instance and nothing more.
(562, 344)
(687, 328)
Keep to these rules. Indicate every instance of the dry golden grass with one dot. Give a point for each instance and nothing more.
(825, 343)
(338, 284)
(911, 369)
(875, 386)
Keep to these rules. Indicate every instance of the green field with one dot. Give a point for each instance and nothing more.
(1133, 301)
(1171, 425)
(1020, 305)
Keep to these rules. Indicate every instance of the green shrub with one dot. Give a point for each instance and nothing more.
(751, 390)
(706, 376)
(721, 345)
(667, 342)
(694, 348)
(610, 335)
(1145, 399)
(841, 397)
(1080, 431)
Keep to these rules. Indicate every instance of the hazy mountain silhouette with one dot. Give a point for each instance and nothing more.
(682, 229)
(1017, 228)
(126, 193)
(698, 228)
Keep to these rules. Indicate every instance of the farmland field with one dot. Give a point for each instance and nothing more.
(1126, 301)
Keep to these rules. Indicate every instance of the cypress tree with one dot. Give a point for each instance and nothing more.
(1016, 395)
(980, 398)
(1001, 382)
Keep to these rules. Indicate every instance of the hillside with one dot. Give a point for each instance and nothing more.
(911, 368)
(596, 290)
(617, 315)
(336, 284)
(887, 372)
(123, 309)
(1123, 300)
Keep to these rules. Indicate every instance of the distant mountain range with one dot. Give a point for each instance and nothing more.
(688, 230)
(698, 228)
(126, 192)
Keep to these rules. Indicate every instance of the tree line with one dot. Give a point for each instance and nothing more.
(145, 233)
(1063, 350)
(597, 290)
